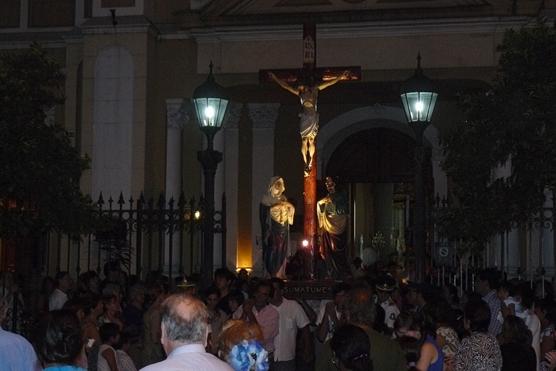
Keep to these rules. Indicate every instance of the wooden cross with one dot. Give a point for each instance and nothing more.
(306, 83)
(293, 76)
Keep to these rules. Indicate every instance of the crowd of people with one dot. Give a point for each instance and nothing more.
(374, 320)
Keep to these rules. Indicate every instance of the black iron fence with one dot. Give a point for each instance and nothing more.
(457, 263)
(142, 235)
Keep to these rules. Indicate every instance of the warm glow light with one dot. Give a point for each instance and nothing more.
(197, 215)
(305, 243)
(244, 258)
(419, 106)
(248, 269)
(209, 112)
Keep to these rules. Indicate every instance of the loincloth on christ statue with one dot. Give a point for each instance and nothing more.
(308, 123)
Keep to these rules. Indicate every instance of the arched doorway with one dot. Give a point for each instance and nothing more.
(376, 166)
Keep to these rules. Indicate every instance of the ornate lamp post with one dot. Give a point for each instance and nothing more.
(210, 101)
(418, 96)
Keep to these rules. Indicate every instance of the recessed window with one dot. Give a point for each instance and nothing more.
(88, 9)
(51, 13)
(117, 3)
(9, 13)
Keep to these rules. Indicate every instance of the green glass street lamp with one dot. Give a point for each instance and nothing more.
(210, 101)
(418, 95)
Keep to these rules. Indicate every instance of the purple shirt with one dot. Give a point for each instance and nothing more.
(16, 353)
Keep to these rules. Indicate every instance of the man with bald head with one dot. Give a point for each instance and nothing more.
(184, 337)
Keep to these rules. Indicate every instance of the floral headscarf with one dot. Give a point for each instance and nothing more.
(249, 355)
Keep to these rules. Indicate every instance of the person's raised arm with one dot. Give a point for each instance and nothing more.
(551, 360)
(547, 344)
(283, 84)
(247, 310)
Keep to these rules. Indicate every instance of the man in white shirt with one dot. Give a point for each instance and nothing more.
(292, 318)
(531, 320)
(184, 325)
(59, 296)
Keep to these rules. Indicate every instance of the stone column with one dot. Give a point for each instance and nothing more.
(177, 115)
(219, 189)
(263, 116)
(228, 170)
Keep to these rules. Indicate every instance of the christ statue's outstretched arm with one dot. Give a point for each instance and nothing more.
(344, 76)
(283, 84)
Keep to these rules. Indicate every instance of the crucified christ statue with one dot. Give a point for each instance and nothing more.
(309, 116)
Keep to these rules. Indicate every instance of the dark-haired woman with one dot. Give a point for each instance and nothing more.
(110, 336)
(407, 332)
(431, 357)
(446, 336)
(351, 347)
(480, 350)
(217, 318)
(515, 345)
(423, 329)
(59, 342)
(93, 308)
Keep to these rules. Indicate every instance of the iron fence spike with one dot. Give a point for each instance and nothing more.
(121, 199)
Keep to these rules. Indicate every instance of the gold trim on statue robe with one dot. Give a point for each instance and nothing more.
(282, 212)
(329, 219)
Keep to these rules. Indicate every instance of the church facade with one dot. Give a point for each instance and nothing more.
(131, 67)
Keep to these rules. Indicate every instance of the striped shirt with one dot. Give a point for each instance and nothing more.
(495, 326)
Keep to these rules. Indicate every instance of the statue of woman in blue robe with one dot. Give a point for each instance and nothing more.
(276, 216)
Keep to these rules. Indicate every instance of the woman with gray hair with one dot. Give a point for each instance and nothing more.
(59, 342)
